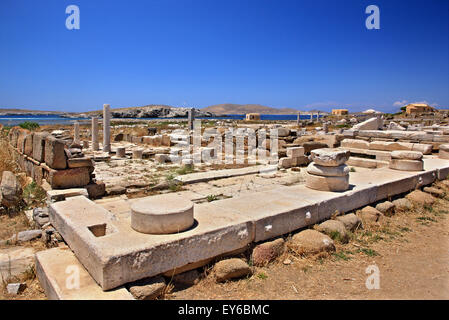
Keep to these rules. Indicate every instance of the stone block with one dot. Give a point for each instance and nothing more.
(80, 162)
(54, 153)
(285, 162)
(21, 140)
(28, 145)
(370, 124)
(161, 158)
(69, 178)
(39, 146)
(329, 157)
(354, 143)
(115, 254)
(406, 165)
(61, 195)
(294, 152)
(53, 269)
(165, 140)
(96, 190)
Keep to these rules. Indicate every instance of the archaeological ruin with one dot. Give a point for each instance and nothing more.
(134, 201)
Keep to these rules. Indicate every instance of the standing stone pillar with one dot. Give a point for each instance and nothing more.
(94, 134)
(106, 128)
(191, 118)
(311, 116)
(325, 127)
(328, 171)
(121, 152)
(298, 119)
(76, 135)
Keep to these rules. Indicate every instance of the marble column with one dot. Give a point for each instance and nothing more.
(76, 134)
(94, 134)
(298, 119)
(191, 118)
(106, 128)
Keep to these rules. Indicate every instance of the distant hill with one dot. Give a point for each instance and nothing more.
(229, 108)
(12, 111)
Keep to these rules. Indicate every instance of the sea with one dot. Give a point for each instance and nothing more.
(13, 120)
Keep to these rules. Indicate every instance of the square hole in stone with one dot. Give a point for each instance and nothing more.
(100, 230)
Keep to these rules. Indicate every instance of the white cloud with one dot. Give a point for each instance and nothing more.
(400, 103)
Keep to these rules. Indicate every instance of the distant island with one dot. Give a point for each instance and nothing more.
(229, 108)
(163, 111)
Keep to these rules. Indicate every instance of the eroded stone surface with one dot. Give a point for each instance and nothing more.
(311, 241)
(230, 269)
(340, 171)
(329, 157)
(162, 214)
(327, 183)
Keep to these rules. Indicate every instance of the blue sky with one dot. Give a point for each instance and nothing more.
(296, 54)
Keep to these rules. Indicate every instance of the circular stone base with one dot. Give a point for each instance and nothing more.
(162, 214)
(406, 165)
(316, 169)
(406, 155)
(327, 183)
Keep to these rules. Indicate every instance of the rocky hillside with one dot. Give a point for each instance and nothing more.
(229, 108)
(151, 111)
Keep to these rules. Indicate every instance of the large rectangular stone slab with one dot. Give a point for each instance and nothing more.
(68, 178)
(118, 254)
(58, 271)
(220, 174)
(123, 255)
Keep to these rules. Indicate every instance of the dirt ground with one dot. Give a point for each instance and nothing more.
(411, 250)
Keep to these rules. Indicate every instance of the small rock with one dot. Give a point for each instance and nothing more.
(421, 197)
(230, 269)
(41, 221)
(287, 262)
(436, 192)
(27, 235)
(11, 190)
(15, 288)
(351, 221)
(267, 252)
(332, 228)
(40, 212)
(188, 278)
(402, 204)
(387, 208)
(311, 241)
(148, 289)
(370, 215)
(115, 190)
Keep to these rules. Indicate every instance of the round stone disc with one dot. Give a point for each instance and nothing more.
(162, 214)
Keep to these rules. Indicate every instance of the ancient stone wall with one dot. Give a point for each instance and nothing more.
(46, 158)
